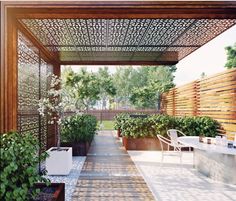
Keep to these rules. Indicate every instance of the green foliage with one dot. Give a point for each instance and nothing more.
(145, 97)
(198, 125)
(18, 167)
(154, 124)
(79, 128)
(120, 119)
(163, 123)
(86, 88)
(137, 86)
(142, 86)
(107, 88)
(231, 57)
(138, 127)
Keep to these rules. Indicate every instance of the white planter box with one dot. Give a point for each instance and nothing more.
(59, 162)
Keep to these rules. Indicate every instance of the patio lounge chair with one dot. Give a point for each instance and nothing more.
(174, 134)
(177, 150)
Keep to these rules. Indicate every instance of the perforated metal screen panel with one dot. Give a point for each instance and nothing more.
(125, 39)
(32, 85)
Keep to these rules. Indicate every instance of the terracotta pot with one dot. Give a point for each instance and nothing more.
(78, 148)
(118, 133)
(59, 194)
(148, 143)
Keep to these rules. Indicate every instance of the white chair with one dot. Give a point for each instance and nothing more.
(174, 134)
(177, 150)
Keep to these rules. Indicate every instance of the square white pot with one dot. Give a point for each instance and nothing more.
(59, 162)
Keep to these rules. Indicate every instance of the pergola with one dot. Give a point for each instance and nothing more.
(39, 37)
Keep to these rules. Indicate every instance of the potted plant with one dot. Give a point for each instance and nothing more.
(139, 133)
(59, 161)
(78, 131)
(19, 173)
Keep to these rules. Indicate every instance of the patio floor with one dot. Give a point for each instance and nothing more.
(109, 173)
(172, 181)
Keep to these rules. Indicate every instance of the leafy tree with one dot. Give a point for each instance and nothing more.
(231, 57)
(144, 97)
(158, 80)
(107, 88)
(85, 88)
(123, 81)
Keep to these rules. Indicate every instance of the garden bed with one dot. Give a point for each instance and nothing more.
(78, 148)
(146, 143)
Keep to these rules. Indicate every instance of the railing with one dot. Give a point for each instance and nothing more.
(213, 96)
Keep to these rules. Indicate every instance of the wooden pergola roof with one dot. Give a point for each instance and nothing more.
(123, 32)
(164, 41)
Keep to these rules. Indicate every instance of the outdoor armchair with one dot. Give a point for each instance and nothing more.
(163, 141)
(173, 135)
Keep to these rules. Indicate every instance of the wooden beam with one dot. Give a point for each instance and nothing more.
(9, 74)
(126, 9)
(2, 70)
(119, 63)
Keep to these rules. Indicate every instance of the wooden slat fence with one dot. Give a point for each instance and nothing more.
(110, 114)
(213, 96)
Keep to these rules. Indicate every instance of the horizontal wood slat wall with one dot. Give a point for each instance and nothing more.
(214, 96)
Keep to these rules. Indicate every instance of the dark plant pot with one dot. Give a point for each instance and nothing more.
(58, 193)
(147, 143)
(78, 148)
(119, 133)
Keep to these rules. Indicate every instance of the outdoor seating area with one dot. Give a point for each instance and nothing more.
(90, 108)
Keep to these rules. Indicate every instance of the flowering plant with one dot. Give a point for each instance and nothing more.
(54, 104)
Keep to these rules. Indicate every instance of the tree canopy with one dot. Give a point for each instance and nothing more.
(231, 57)
(138, 87)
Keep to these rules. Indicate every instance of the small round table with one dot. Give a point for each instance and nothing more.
(215, 161)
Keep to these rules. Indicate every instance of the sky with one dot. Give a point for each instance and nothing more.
(209, 59)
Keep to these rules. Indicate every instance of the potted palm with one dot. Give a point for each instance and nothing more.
(59, 161)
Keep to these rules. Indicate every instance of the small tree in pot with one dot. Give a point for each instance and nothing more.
(53, 107)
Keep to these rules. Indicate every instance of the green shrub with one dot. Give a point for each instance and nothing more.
(194, 126)
(18, 166)
(154, 124)
(138, 127)
(119, 120)
(163, 123)
(79, 128)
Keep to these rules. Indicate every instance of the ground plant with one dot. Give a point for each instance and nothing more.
(18, 167)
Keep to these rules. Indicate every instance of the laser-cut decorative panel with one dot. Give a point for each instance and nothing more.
(73, 38)
(32, 85)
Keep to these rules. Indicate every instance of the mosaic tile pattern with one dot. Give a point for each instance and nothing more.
(71, 179)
